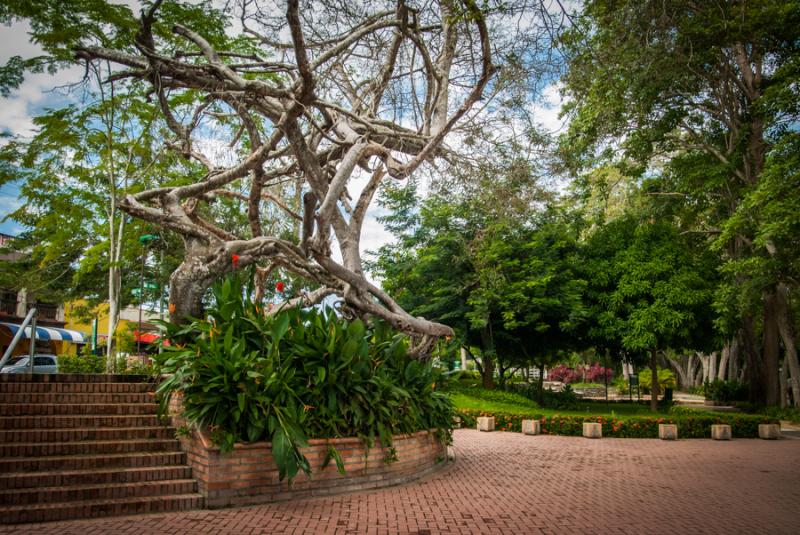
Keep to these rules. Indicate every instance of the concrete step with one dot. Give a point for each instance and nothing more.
(97, 476)
(73, 378)
(64, 421)
(113, 491)
(118, 461)
(96, 447)
(85, 433)
(19, 514)
(72, 388)
(76, 397)
(25, 409)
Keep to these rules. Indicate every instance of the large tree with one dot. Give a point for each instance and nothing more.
(649, 289)
(308, 98)
(701, 91)
(491, 264)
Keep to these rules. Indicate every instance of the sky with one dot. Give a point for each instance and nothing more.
(41, 91)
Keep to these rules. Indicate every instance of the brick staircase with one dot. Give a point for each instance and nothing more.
(84, 446)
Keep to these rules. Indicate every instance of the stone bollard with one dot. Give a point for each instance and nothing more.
(769, 431)
(592, 430)
(486, 423)
(668, 431)
(721, 432)
(531, 427)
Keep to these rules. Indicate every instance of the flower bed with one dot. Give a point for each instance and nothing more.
(248, 474)
(689, 426)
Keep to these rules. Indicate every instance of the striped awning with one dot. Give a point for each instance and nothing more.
(47, 334)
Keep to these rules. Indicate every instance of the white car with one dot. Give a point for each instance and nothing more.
(41, 364)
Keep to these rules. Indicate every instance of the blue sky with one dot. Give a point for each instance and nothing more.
(17, 111)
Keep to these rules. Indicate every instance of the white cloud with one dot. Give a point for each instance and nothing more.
(37, 90)
(545, 110)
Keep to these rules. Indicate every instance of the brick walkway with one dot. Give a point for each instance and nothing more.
(510, 483)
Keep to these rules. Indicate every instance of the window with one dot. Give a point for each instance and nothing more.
(43, 361)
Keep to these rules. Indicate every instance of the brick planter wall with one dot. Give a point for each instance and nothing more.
(248, 474)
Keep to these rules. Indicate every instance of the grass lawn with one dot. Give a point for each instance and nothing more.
(583, 386)
(529, 408)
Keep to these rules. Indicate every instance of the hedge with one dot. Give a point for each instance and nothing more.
(689, 426)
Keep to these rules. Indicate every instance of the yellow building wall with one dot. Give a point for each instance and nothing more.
(74, 316)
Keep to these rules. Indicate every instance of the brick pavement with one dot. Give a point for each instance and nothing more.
(511, 483)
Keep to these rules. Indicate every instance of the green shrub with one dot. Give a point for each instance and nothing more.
(725, 391)
(499, 396)
(567, 399)
(683, 410)
(791, 414)
(666, 379)
(689, 425)
(84, 362)
(295, 375)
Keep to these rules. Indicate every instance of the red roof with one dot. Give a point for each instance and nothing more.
(146, 338)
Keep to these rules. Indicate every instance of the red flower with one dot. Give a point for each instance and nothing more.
(279, 286)
(235, 260)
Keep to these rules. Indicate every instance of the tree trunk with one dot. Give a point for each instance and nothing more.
(704, 360)
(682, 367)
(541, 383)
(692, 369)
(654, 390)
(733, 359)
(114, 282)
(487, 341)
(786, 328)
(723, 363)
(488, 372)
(771, 347)
(188, 284)
(463, 358)
(753, 366)
(784, 379)
(712, 365)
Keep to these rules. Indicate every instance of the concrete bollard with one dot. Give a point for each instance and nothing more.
(721, 432)
(486, 423)
(592, 430)
(531, 427)
(769, 431)
(668, 431)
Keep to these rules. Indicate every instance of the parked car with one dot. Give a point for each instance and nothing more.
(41, 364)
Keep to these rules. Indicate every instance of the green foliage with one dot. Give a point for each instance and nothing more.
(725, 391)
(498, 396)
(83, 362)
(647, 287)
(689, 425)
(294, 375)
(666, 379)
(791, 414)
(503, 277)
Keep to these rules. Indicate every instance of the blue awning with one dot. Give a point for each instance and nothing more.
(47, 334)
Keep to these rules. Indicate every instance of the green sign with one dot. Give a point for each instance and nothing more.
(634, 379)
